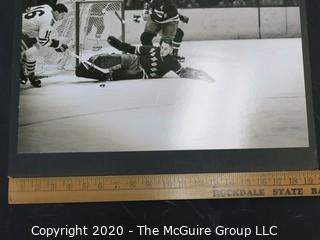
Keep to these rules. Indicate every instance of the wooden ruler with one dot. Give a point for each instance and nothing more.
(163, 187)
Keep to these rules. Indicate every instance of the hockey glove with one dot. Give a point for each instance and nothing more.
(61, 48)
(184, 19)
(114, 42)
(122, 46)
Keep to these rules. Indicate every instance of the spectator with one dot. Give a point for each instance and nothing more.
(181, 3)
(193, 4)
(128, 4)
(239, 3)
(134, 4)
(204, 3)
(292, 3)
(272, 2)
(225, 3)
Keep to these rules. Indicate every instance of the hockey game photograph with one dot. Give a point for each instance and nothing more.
(161, 75)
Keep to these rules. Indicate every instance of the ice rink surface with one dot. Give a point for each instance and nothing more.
(256, 101)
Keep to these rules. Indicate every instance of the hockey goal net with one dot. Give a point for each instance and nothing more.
(85, 30)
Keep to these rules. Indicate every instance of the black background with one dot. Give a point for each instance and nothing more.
(297, 218)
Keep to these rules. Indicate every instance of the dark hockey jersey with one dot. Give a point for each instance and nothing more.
(163, 11)
(154, 65)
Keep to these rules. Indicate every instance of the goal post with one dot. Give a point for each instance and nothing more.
(104, 17)
(95, 20)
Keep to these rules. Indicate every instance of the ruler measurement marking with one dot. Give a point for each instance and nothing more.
(141, 189)
(70, 188)
(103, 190)
(160, 187)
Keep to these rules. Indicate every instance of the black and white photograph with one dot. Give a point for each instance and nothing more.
(125, 118)
(161, 75)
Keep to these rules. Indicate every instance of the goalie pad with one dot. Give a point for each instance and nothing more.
(192, 73)
(106, 60)
(122, 67)
(85, 71)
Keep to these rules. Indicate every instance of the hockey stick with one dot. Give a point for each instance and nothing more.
(89, 63)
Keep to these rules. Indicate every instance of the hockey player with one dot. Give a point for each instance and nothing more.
(140, 62)
(96, 18)
(162, 16)
(37, 23)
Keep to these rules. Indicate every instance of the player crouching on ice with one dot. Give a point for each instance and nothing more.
(140, 62)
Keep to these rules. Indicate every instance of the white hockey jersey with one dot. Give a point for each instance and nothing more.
(37, 22)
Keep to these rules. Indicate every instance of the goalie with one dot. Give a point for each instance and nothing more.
(140, 62)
